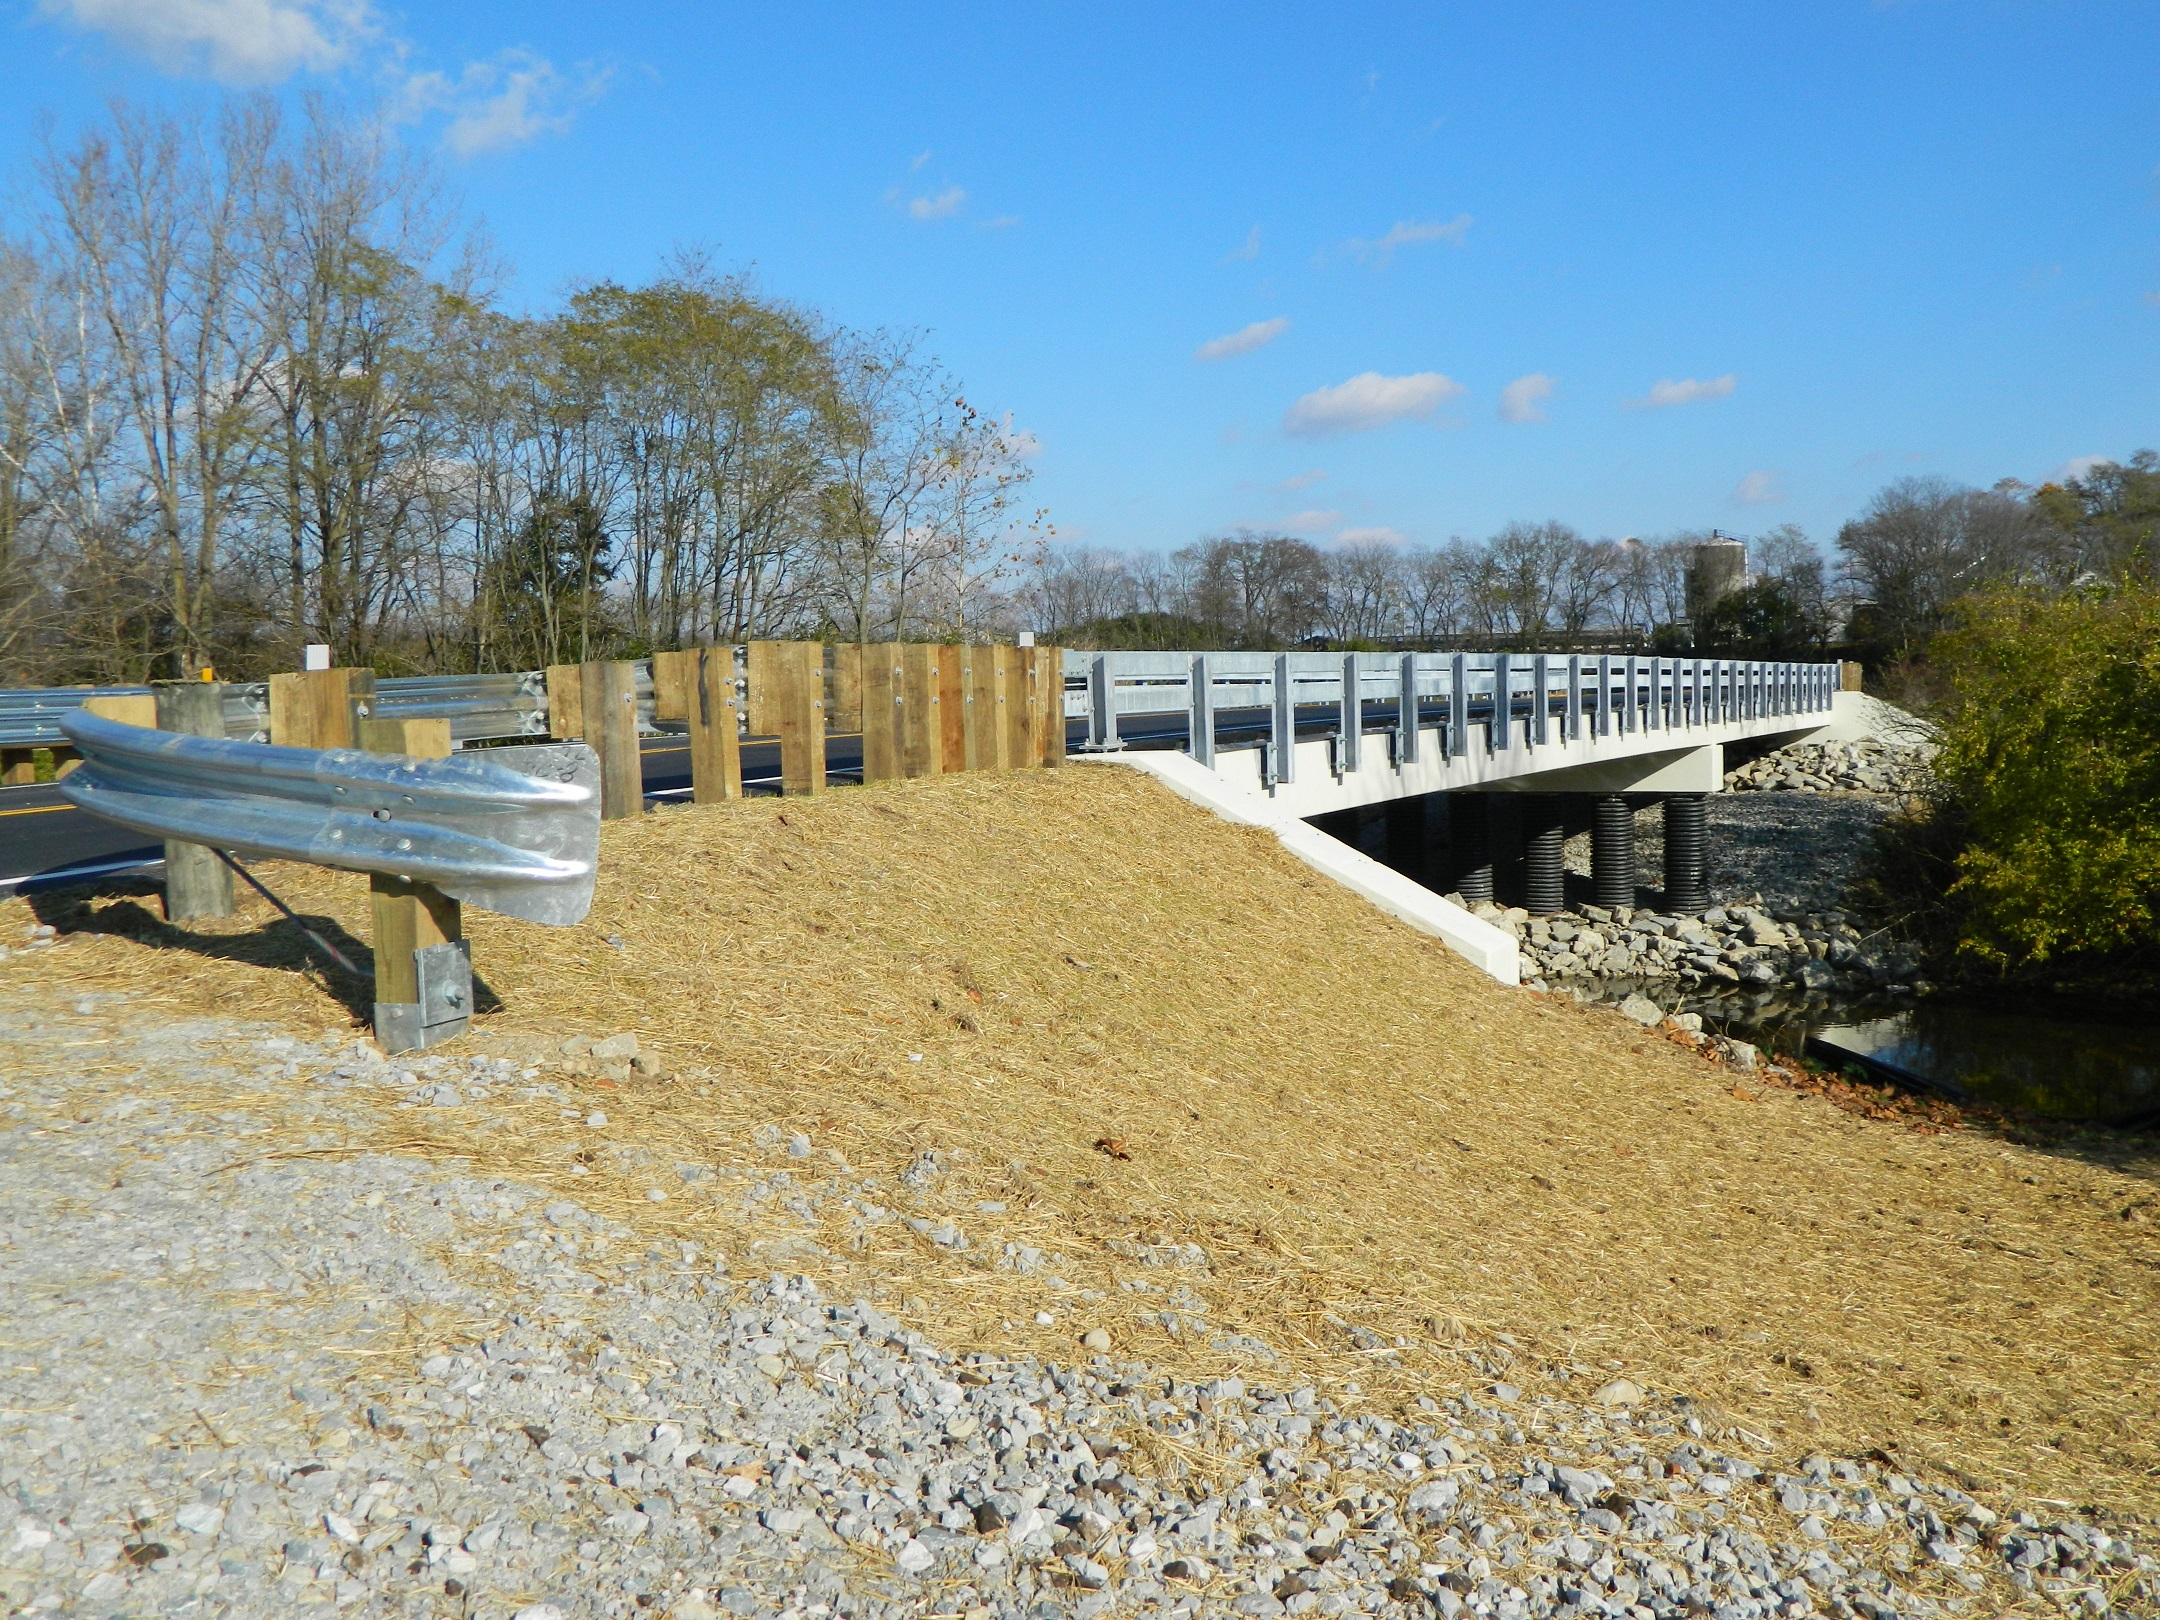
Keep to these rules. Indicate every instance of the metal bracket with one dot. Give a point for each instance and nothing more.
(444, 1010)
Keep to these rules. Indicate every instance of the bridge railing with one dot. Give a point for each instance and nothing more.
(1206, 703)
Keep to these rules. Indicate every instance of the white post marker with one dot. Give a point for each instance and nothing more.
(317, 656)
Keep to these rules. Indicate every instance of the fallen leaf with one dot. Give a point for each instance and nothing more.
(1114, 1146)
(1744, 1095)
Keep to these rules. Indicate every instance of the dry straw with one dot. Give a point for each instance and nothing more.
(1405, 1178)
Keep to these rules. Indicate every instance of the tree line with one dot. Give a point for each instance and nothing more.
(258, 389)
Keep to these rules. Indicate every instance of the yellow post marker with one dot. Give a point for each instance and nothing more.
(423, 972)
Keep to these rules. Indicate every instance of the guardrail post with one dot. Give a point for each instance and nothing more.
(423, 967)
(321, 708)
(989, 738)
(797, 707)
(1574, 697)
(1654, 715)
(1102, 707)
(1601, 723)
(1282, 733)
(847, 702)
(608, 701)
(1500, 735)
(1458, 711)
(1048, 668)
(921, 737)
(18, 767)
(672, 677)
(884, 705)
(1541, 673)
(762, 672)
(714, 716)
(1349, 718)
(952, 707)
(565, 700)
(1406, 714)
(1200, 726)
(197, 883)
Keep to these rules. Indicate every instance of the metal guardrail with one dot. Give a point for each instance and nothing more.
(514, 830)
(1553, 697)
(479, 708)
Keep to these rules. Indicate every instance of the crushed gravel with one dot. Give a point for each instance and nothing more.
(253, 1369)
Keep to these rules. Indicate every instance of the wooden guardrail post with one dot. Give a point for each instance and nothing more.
(608, 700)
(135, 709)
(796, 703)
(1849, 675)
(671, 676)
(197, 882)
(1049, 695)
(566, 702)
(922, 736)
(320, 708)
(714, 715)
(761, 670)
(846, 713)
(423, 969)
(884, 699)
(985, 731)
(1015, 706)
(18, 766)
(952, 708)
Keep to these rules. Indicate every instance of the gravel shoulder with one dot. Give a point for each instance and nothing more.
(496, 1334)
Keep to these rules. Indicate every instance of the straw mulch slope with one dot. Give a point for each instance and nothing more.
(1365, 1134)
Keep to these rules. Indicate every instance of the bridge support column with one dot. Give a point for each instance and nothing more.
(1612, 850)
(1544, 837)
(1406, 840)
(1470, 867)
(1686, 857)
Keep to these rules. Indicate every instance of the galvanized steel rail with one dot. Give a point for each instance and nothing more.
(1475, 700)
(514, 830)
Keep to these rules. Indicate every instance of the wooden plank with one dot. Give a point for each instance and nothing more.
(672, 673)
(846, 714)
(566, 702)
(197, 882)
(799, 710)
(763, 672)
(18, 767)
(292, 720)
(407, 916)
(1014, 680)
(1049, 698)
(985, 731)
(338, 701)
(715, 748)
(922, 750)
(952, 708)
(610, 720)
(884, 690)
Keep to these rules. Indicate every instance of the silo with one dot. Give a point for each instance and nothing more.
(1717, 570)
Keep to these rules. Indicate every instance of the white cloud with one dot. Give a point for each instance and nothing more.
(943, 206)
(1519, 399)
(1250, 249)
(1759, 488)
(1371, 537)
(2153, 298)
(1368, 401)
(1684, 392)
(1243, 341)
(1312, 519)
(921, 158)
(515, 97)
(1004, 222)
(2078, 467)
(1303, 480)
(1407, 233)
(239, 41)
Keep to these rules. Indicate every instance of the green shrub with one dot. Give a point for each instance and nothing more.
(2050, 779)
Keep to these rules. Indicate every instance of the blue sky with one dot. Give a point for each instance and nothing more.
(1741, 264)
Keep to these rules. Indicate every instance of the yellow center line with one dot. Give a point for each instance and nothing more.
(38, 810)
